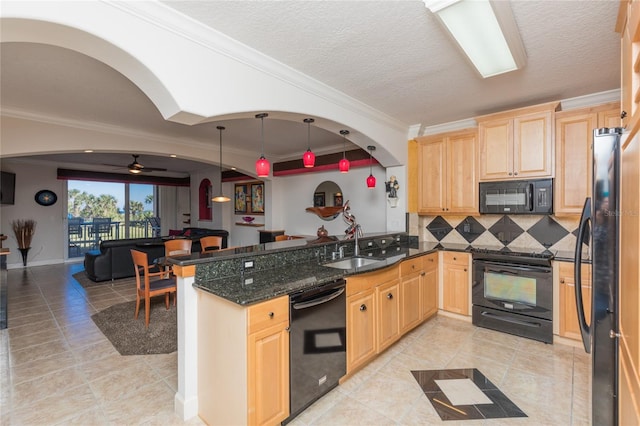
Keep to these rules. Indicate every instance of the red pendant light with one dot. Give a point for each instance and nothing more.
(262, 165)
(371, 180)
(343, 165)
(309, 158)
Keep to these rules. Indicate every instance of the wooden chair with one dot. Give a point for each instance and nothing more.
(210, 243)
(177, 247)
(145, 288)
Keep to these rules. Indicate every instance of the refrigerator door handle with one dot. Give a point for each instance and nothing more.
(585, 330)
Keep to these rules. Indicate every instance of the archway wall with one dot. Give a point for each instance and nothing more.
(192, 73)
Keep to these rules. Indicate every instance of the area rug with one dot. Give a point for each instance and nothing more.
(465, 394)
(84, 281)
(130, 337)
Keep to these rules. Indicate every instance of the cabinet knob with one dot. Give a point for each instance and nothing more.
(413, 266)
(455, 258)
(465, 269)
(423, 274)
(510, 173)
(516, 173)
(270, 314)
(623, 114)
(363, 307)
(562, 281)
(389, 296)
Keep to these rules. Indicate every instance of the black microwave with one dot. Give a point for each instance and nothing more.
(517, 197)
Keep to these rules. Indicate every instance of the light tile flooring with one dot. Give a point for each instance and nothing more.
(58, 368)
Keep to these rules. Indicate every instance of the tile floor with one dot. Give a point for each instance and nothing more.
(58, 368)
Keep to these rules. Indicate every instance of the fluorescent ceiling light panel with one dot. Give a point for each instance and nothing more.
(486, 31)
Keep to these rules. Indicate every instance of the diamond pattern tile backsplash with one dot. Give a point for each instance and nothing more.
(530, 232)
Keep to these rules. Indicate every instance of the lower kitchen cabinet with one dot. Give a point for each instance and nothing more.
(388, 304)
(361, 328)
(569, 326)
(411, 278)
(455, 282)
(243, 361)
(429, 286)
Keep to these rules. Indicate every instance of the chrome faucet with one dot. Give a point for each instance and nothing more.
(356, 248)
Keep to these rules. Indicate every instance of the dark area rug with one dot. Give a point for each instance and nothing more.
(84, 281)
(130, 337)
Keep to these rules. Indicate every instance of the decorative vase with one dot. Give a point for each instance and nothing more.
(322, 232)
(24, 252)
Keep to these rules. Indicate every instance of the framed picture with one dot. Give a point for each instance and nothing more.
(257, 198)
(240, 198)
(337, 199)
(318, 199)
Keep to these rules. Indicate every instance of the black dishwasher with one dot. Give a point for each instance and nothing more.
(318, 343)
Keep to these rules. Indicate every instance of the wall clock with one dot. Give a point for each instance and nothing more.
(46, 197)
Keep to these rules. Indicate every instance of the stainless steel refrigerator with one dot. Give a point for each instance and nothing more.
(599, 229)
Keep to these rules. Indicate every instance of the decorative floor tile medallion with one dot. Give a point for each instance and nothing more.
(465, 394)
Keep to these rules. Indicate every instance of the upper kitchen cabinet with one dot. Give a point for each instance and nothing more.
(447, 173)
(517, 144)
(574, 134)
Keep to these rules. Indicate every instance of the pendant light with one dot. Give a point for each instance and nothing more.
(343, 165)
(309, 158)
(262, 164)
(371, 180)
(220, 198)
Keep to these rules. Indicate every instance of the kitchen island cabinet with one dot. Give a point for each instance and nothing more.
(243, 345)
(411, 279)
(447, 173)
(517, 144)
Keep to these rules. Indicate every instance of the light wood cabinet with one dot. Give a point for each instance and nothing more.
(361, 329)
(455, 282)
(568, 314)
(388, 299)
(411, 277)
(429, 287)
(574, 135)
(517, 144)
(243, 361)
(447, 173)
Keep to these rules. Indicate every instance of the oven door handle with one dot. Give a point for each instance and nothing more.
(511, 320)
(514, 270)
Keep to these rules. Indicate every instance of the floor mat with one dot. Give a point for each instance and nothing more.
(465, 394)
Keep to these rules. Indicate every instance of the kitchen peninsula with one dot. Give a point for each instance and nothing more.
(233, 314)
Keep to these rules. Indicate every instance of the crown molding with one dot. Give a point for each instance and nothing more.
(590, 100)
(181, 25)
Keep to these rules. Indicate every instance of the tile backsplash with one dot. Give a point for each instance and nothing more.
(531, 232)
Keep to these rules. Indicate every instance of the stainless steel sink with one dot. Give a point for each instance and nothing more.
(353, 262)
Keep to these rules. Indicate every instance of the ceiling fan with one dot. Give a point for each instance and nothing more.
(136, 167)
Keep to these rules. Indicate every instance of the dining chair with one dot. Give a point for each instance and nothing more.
(210, 243)
(177, 247)
(146, 288)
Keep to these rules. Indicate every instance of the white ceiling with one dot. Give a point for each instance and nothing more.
(391, 55)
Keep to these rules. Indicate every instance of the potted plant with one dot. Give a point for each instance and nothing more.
(24, 230)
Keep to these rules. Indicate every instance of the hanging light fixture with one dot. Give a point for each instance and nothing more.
(343, 165)
(309, 158)
(262, 164)
(220, 198)
(371, 180)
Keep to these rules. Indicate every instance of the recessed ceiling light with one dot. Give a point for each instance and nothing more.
(173, 156)
(88, 150)
(233, 168)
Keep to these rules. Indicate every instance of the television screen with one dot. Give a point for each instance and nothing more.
(7, 188)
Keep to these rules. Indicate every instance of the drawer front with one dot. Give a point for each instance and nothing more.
(456, 258)
(266, 314)
(411, 266)
(362, 282)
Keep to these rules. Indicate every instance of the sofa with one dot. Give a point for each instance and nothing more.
(113, 259)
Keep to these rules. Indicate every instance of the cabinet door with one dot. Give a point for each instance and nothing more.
(410, 295)
(361, 329)
(610, 118)
(268, 375)
(462, 191)
(388, 299)
(430, 286)
(455, 289)
(569, 326)
(533, 145)
(574, 134)
(431, 176)
(496, 149)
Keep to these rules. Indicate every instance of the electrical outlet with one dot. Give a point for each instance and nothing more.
(248, 281)
(248, 264)
(370, 244)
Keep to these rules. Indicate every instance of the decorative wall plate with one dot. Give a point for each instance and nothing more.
(46, 197)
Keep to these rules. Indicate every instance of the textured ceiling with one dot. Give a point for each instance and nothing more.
(391, 55)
